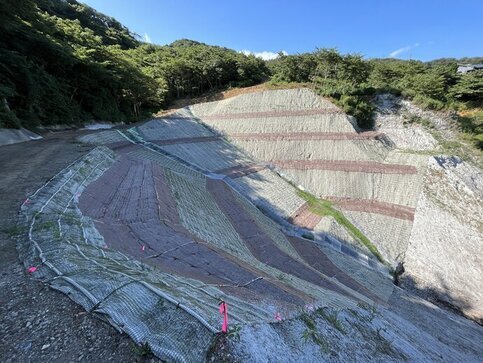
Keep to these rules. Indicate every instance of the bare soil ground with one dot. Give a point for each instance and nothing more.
(346, 165)
(38, 324)
(300, 136)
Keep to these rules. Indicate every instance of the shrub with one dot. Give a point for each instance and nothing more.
(359, 108)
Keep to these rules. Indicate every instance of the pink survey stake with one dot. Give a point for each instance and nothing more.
(224, 312)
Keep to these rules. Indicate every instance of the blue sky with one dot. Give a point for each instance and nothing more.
(424, 29)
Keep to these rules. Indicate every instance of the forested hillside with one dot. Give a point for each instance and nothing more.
(63, 62)
(351, 81)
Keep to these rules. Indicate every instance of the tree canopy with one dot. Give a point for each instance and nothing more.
(62, 62)
(351, 81)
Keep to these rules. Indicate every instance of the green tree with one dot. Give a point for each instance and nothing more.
(469, 87)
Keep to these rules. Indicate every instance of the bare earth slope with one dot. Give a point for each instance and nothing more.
(161, 222)
(449, 212)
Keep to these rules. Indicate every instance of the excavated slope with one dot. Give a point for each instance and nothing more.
(315, 145)
(169, 219)
(164, 216)
(378, 186)
(448, 226)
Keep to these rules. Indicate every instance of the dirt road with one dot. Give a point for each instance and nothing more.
(38, 324)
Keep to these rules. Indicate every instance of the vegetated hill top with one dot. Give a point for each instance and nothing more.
(65, 63)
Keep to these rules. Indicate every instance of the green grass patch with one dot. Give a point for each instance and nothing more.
(325, 208)
(143, 350)
(14, 231)
(311, 333)
(332, 316)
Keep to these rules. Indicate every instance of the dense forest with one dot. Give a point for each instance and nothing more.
(62, 62)
(351, 81)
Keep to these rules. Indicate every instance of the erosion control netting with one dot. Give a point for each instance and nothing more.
(69, 253)
(193, 149)
(205, 234)
(205, 152)
(316, 146)
(154, 244)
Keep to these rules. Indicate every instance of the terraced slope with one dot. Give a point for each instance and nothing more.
(316, 146)
(167, 219)
(166, 214)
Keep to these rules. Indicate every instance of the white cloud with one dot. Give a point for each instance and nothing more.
(265, 55)
(405, 49)
(399, 51)
(146, 38)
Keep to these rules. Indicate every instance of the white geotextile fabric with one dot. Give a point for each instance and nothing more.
(212, 156)
(102, 137)
(276, 100)
(13, 136)
(305, 150)
(337, 122)
(172, 128)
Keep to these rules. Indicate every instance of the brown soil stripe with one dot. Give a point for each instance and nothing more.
(240, 170)
(123, 147)
(304, 218)
(186, 140)
(374, 206)
(346, 165)
(296, 136)
(264, 114)
(319, 261)
(132, 206)
(260, 244)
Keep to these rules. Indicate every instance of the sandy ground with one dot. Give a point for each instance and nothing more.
(38, 324)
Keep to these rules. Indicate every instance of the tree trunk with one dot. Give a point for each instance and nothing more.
(5, 104)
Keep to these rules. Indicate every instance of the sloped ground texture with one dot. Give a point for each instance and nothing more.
(450, 213)
(158, 226)
(155, 241)
(364, 335)
(38, 324)
(377, 186)
(314, 144)
(13, 136)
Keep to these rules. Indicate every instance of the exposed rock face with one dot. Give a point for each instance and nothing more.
(410, 329)
(390, 119)
(443, 260)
